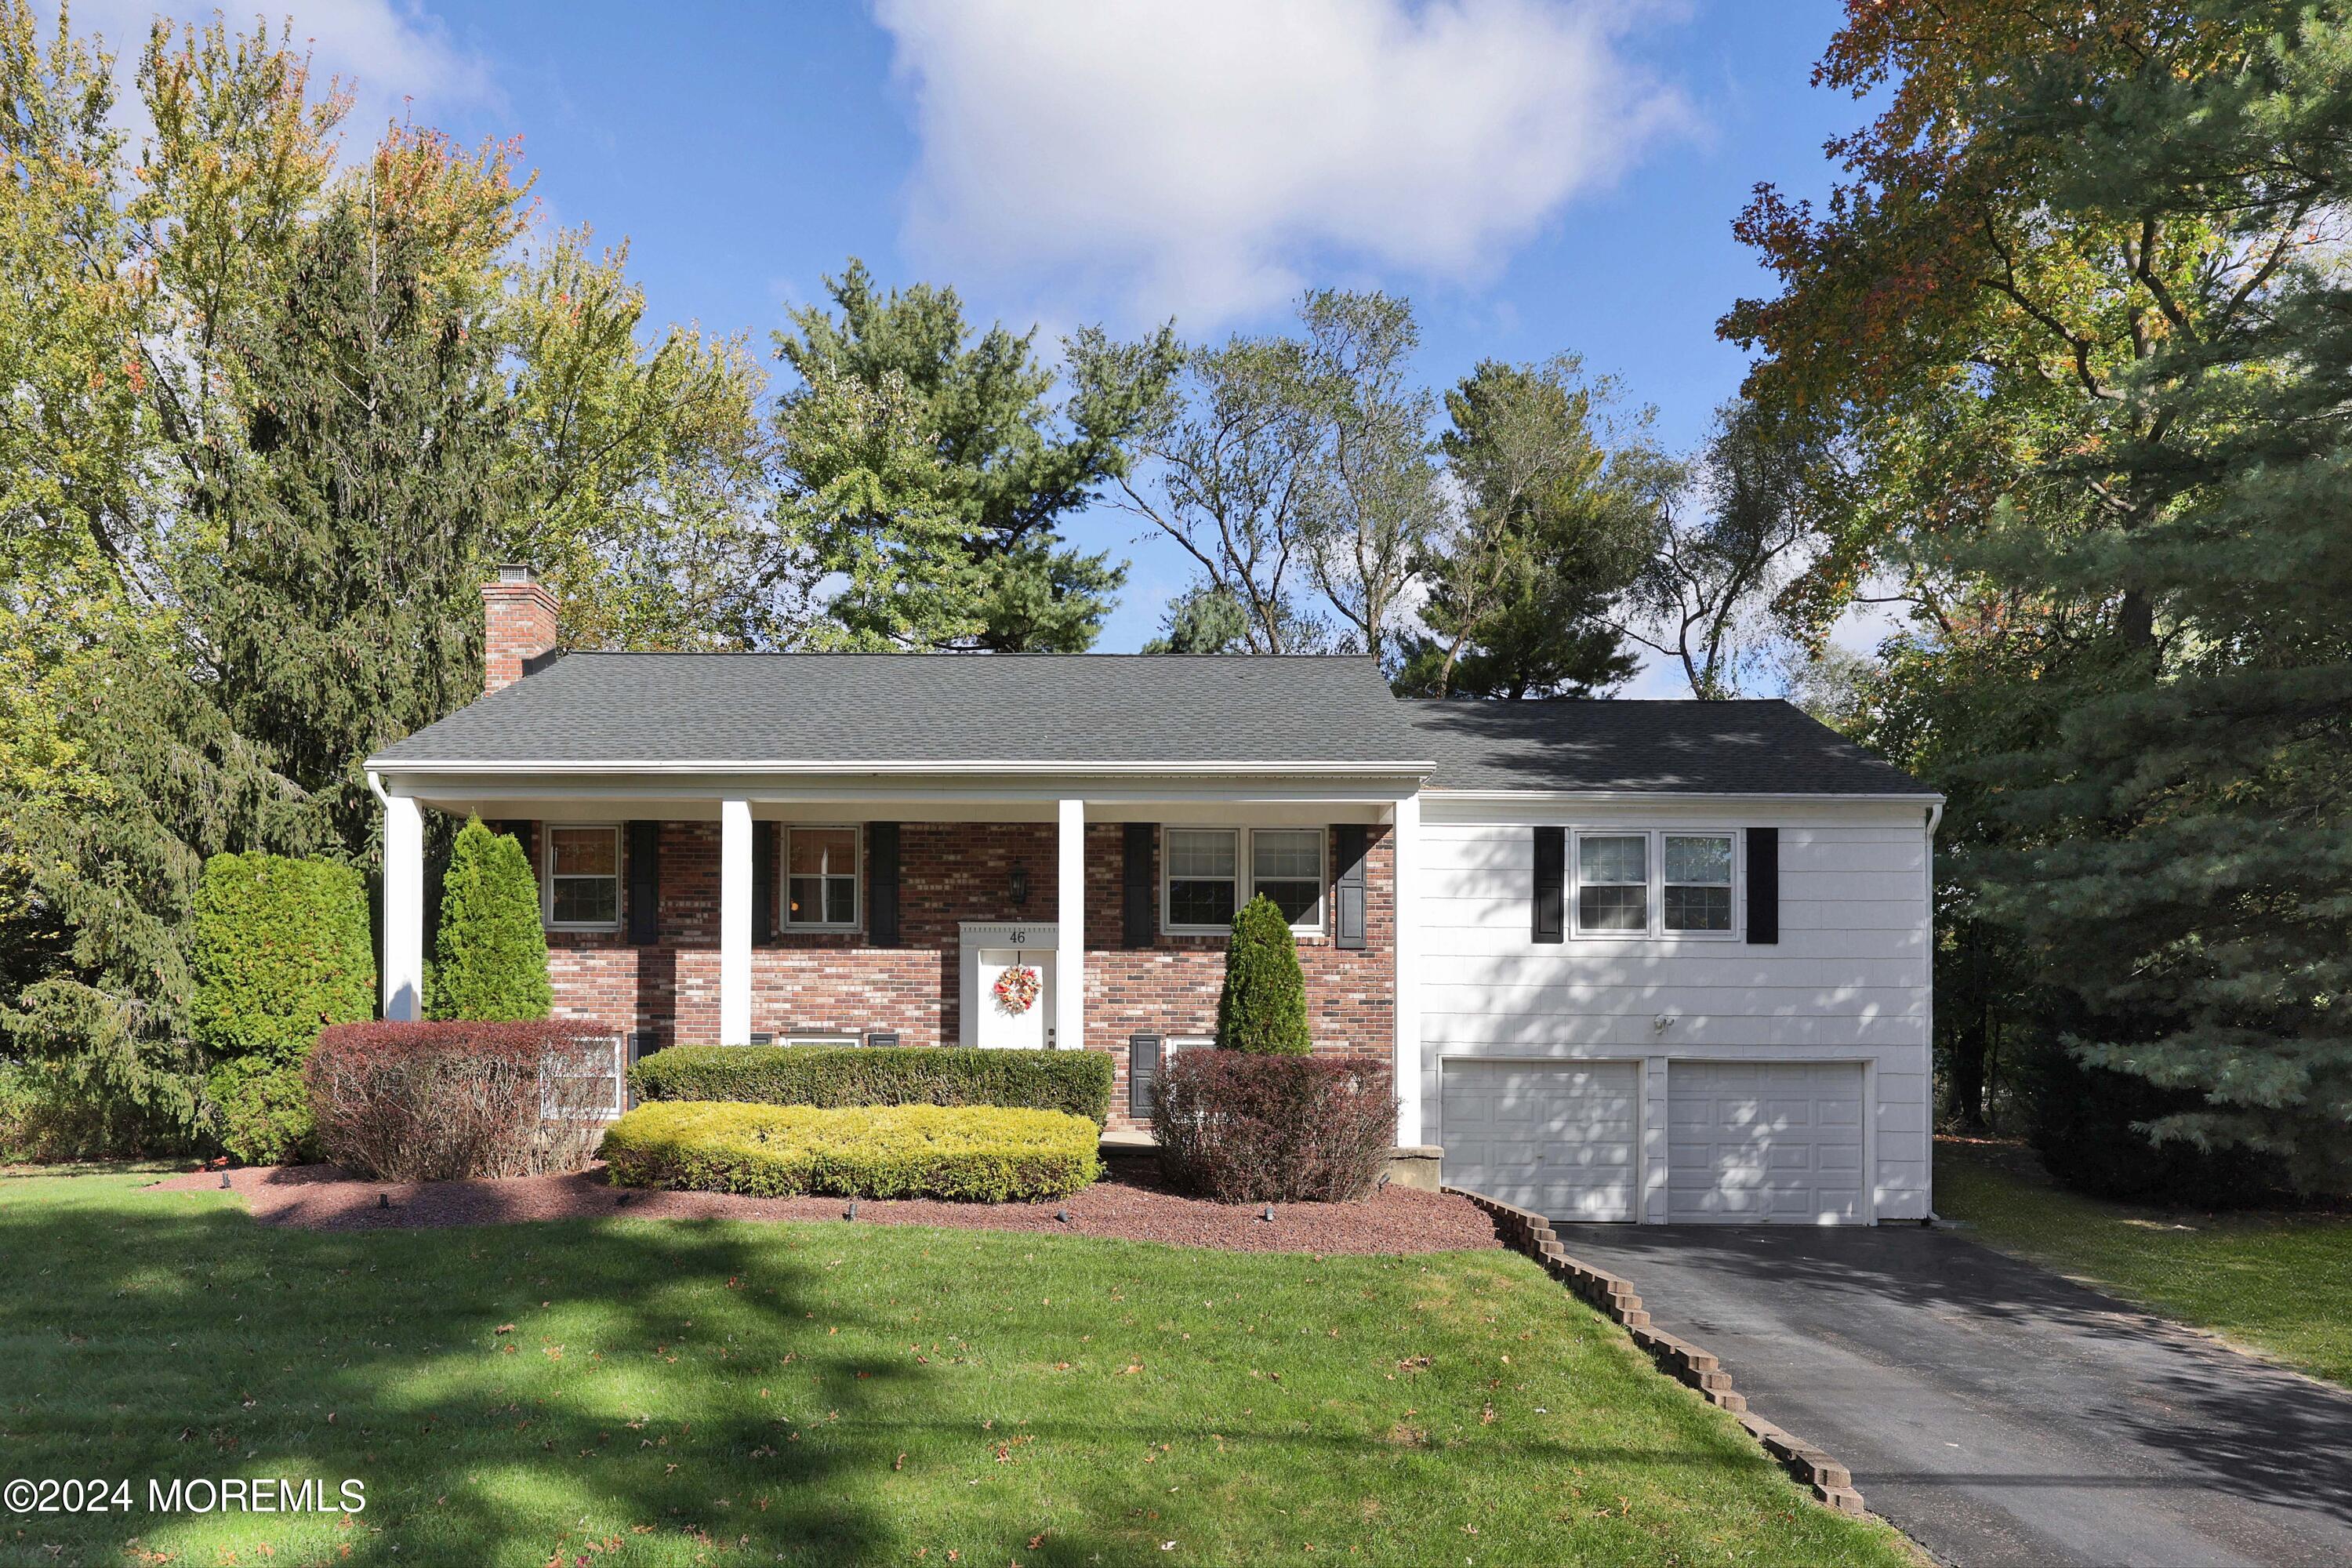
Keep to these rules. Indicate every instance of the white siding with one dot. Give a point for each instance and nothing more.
(1848, 981)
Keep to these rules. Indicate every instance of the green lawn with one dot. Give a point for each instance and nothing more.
(832, 1394)
(2280, 1284)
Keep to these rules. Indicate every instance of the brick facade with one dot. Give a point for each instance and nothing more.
(950, 873)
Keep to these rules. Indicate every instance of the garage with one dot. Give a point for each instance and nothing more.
(1555, 1137)
(1764, 1143)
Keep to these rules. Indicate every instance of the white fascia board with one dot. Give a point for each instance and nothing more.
(943, 769)
(1639, 796)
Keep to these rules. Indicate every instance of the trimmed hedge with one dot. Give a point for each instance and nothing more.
(979, 1153)
(1078, 1083)
(276, 948)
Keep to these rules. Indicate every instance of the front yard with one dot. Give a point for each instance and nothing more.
(2279, 1283)
(595, 1392)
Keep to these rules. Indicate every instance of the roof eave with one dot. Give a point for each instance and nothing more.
(504, 768)
(1925, 798)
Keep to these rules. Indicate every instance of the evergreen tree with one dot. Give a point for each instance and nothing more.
(335, 581)
(1263, 1007)
(1008, 467)
(490, 951)
(1202, 620)
(1550, 530)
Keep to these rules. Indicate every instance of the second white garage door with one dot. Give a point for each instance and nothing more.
(1764, 1143)
(1554, 1138)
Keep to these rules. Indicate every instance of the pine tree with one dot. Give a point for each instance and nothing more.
(1550, 529)
(490, 953)
(1009, 467)
(1263, 1008)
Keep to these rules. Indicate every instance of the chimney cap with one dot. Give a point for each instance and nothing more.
(517, 572)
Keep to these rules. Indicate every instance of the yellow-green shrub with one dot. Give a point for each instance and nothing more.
(982, 1153)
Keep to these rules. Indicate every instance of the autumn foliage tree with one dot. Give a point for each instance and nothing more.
(2077, 307)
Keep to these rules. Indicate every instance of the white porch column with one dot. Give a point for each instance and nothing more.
(734, 922)
(1405, 850)
(1070, 930)
(403, 908)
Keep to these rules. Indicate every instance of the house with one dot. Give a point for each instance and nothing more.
(1633, 961)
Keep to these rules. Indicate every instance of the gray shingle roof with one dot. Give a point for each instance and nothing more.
(1032, 708)
(1679, 747)
(910, 708)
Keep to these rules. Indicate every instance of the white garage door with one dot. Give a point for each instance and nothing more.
(1555, 1139)
(1764, 1143)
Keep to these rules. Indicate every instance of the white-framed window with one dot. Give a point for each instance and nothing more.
(1649, 882)
(1613, 884)
(1207, 873)
(1695, 872)
(581, 885)
(819, 878)
(1287, 865)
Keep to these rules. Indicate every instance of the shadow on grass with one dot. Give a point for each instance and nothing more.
(148, 1339)
(667, 1389)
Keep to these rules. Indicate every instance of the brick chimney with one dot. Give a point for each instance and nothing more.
(518, 623)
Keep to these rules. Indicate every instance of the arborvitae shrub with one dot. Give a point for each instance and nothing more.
(1263, 1009)
(490, 957)
(278, 950)
(263, 1110)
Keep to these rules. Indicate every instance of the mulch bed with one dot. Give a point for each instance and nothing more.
(1127, 1202)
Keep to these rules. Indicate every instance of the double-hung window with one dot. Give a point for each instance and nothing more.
(1653, 882)
(1213, 871)
(582, 889)
(1203, 877)
(1613, 884)
(1697, 879)
(820, 878)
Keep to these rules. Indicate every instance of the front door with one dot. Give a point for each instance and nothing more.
(1009, 991)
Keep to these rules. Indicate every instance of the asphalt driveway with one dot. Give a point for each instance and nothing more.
(1995, 1411)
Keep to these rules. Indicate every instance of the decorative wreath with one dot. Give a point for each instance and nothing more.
(1017, 988)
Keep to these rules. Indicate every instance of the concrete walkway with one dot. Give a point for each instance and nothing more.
(1998, 1414)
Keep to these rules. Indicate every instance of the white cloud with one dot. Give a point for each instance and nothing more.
(396, 59)
(1209, 157)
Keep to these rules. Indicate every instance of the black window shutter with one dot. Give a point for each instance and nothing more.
(1142, 1073)
(882, 883)
(1135, 888)
(1347, 888)
(1764, 884)
(644, 882)
(1551, 884)
(764, 882)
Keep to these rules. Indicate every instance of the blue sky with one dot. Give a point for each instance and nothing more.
(1537, 176)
